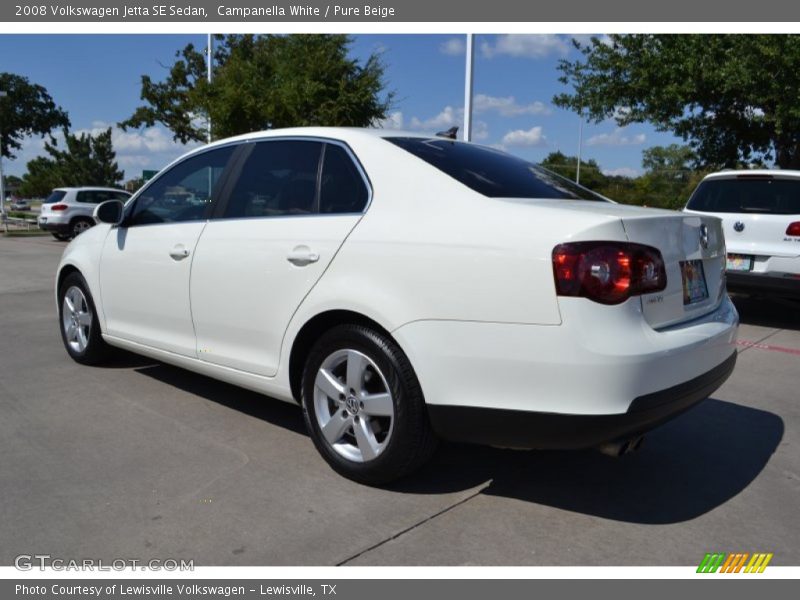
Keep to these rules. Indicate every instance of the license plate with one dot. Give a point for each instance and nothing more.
(740, 262)
(42, 219)
(694, 281)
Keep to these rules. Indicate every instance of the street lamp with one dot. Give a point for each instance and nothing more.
(470, 52)
(3, 215)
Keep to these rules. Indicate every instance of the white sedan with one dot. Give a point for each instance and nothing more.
(403, 289)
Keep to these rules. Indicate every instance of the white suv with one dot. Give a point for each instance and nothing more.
(67, 211)
(760, 212)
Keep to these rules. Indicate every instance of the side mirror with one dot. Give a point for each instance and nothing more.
(110, 211)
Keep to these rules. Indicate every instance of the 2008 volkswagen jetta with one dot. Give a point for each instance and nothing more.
(403, 289)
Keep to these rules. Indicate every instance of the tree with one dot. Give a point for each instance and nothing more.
(668, 180)
(26, 110)
(566, 166)
(732, 97)
(85, 160)
(263, 82)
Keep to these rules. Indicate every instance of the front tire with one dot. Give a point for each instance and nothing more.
(79, 226)
(79, 326)
(363, 406)
(61, 237)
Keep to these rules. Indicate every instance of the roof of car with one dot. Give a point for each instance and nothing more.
(344, 134)
(737, 173)
(86, 188)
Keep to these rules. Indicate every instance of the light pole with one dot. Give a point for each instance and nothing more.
(3, 215)
(580, 146)
(209, 58)
(468, 89)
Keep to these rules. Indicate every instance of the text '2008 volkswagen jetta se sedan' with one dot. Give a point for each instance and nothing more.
(404, 289)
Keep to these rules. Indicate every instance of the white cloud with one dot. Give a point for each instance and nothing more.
(447, 118)
(393, 120)
(480, 131)
(617, 137)
(521, 137)
(585, 38)
(621, 172)
(526, 46)
(453, 47)
(508, 106)
(150, 148)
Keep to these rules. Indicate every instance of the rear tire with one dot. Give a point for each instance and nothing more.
(78, 323)
(363, 406)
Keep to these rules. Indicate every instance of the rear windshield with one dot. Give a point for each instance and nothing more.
(55, 196)
(747, 195)
(491, 172)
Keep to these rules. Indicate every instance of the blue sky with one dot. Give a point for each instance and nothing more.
(96, 78)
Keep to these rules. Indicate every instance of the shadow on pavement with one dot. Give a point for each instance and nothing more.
(685, 468)
(239, 399)
(764, 311)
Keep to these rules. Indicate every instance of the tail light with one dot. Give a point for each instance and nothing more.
(59, 207)
(608, 272)
(793, 229)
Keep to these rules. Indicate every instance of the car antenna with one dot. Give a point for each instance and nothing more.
(450, 133)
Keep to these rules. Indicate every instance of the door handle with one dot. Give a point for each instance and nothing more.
(179, 252)
(301, 256)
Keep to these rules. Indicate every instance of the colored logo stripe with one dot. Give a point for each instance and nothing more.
(711, 562)
(734, 562)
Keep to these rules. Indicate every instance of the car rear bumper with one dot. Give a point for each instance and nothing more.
(521, 429)
(54, 227)
(784, 284)
(597, 377)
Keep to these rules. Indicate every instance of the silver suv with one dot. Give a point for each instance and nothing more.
(760, 212)
(67, 211)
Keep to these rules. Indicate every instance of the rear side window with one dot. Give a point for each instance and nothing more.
(342, 188)
(98, 196)
(278, 178)
(747, 194)
(55, 196)
(491, 172)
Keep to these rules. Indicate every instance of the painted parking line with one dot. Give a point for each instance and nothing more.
(758, 346)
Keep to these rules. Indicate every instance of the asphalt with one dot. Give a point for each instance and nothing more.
(143, 460)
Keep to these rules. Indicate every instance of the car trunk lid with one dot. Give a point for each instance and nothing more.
(693, 248)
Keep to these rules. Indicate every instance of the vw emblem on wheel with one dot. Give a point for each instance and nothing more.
(704, 235)
(738, 226)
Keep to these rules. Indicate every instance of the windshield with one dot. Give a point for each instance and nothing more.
(491, 172)
(55, 196)
(747, 194)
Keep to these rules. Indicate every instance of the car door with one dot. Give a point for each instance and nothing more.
(293, 203)
(146, 262)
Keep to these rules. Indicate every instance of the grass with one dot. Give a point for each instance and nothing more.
(25, 233)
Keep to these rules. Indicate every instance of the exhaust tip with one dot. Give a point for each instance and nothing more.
(618, 448)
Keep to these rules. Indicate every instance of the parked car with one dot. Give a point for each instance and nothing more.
(67, 211)
(19, 204)
(404, 288)
(760, 212)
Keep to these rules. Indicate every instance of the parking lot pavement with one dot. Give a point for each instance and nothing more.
(143, 460)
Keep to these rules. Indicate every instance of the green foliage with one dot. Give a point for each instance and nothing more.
(264, 82)
(566, 166)
(26, 110)
(732, 97)
(667, 182)
(85, 160)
